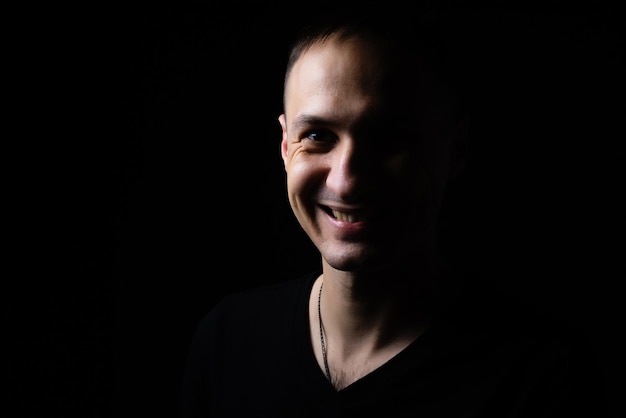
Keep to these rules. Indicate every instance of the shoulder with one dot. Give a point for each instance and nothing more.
(259, 303)
(543, 362)
(498, 315)
(490, 321)
(268, 296)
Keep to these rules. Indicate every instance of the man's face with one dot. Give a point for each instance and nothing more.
(365, 155)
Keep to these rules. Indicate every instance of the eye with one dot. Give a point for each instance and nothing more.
(319, 136)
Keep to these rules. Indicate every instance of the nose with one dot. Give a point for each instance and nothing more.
(350, 170)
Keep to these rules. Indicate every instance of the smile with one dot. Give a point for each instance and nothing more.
(345, 217)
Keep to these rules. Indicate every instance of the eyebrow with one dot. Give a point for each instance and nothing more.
(308, 120)
(374, 115)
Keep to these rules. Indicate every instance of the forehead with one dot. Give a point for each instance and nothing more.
(352, 68)
(366, 62)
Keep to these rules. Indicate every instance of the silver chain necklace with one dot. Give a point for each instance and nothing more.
(319, 316)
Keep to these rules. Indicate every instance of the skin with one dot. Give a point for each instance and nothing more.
(367, 150)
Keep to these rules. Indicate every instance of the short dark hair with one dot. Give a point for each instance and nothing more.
(414, 31)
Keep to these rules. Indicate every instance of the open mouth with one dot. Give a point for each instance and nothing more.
(345, 217)
(351, 217)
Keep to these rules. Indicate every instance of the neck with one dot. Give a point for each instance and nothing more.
(374, 309)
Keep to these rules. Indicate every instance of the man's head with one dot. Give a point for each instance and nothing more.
(372, 134)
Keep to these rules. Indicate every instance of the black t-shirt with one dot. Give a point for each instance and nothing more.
(485, 355)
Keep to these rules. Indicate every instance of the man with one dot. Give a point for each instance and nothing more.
(373, 131)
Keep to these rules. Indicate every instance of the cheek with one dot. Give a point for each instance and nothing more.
(412, 179)
(405, 169)
(306, 177)
(300, 176)
(398, 165)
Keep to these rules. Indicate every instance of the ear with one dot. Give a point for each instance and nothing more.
(460, 147)
(283, 144)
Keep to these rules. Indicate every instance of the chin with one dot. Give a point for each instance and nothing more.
(354, 258)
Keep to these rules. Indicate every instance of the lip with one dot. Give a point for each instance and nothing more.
(346, 220)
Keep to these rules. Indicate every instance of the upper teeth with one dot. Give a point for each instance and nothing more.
(346, 217)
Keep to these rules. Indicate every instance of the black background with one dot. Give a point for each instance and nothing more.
(157, 184)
